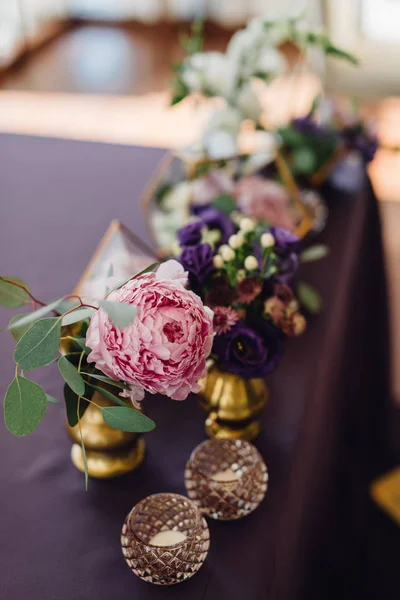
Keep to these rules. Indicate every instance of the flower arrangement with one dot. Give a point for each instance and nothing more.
(246, 281)
(273, 182)
(148, 334)
(253, 54)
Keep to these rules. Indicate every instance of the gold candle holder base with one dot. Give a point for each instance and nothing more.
(234, 405)
(109, 452)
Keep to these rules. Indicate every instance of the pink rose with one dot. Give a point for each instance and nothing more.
(164, 349)
(265, 200)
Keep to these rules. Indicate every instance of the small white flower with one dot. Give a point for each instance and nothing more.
(251, 263)
(236, 241)
(218, 261)
(247, 225)
(267, 240)
(227, 253)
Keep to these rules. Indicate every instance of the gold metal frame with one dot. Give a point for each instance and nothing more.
(114, 226)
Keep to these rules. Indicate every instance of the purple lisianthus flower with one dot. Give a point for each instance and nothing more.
(215, 219)
(308, 126)
(287, 266)
(198, 262)
(356, 138)
(247, 353)
(284, 240)
(190, 235)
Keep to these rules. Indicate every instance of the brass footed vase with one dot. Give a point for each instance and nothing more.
(109, 452)
(233, 404)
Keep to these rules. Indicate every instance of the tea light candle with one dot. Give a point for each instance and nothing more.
(227, 475)
(168, 537)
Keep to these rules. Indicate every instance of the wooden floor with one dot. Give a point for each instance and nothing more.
(110, 83)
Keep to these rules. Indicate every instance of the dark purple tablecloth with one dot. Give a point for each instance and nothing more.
(323, 435)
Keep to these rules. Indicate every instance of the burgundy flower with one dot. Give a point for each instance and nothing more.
(220, 293)
(248, 289)
(283, 292)
(224, 319)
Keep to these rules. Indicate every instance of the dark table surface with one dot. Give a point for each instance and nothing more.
(323, 438)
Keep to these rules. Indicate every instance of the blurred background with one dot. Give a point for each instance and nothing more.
(100, 70)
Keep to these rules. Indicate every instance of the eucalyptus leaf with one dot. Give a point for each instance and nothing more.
(120, 313)
(11, 295)
(17, 331)
(107, 394)
(85, 465)
(309, 297)
(39, 345)
(52, 400)
(71, 376)
(127, 419)
(79, 314)
(25, 404)
(107, 380)
(71, 405)
(29, 318)
(304, 160)
(315, 252)
(331, 50)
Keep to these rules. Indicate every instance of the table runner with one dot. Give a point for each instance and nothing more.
(323, 428)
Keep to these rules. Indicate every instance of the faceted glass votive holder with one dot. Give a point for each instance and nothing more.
(165, 539)
(227, 479)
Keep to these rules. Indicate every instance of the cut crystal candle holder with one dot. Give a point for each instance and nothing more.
(227, 479)
(165, 539)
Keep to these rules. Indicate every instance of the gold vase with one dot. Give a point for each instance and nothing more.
(109, 452)
(233, 404)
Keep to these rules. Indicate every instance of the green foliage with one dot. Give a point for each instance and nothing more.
(225, 203)
(315, 252)
(120, 313)
(23, 322)
(39, 345)
(25, 404)
(71, 405)
(193, 43)
(107, 380)
(162, 190)
(107, 394)
(71, 376)
(304, 161)
(127, 419)
(12, 296)
(17, 330)
(309, 297)
(77, 315)
(52, 400)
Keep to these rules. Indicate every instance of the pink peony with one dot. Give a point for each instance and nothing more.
(164, 349)
(265, 200)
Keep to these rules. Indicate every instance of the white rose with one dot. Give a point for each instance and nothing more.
(270, 61)
(248, 103)
(179, 197)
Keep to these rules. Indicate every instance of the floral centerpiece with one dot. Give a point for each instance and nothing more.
(247, 282)
(273, 177)
(148, 334)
